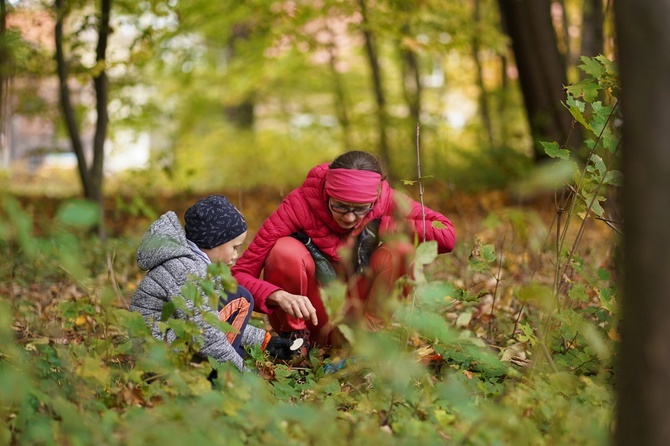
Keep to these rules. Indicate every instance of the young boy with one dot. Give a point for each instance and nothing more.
(214, 231)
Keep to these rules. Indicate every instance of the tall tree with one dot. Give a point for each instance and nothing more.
(4, 76)
(371, 51)
(340, 102)
(242, 113)
(643, 414)
(484, 111)
(542, 72)
(411, 76)
(91, 176)
(593, 19)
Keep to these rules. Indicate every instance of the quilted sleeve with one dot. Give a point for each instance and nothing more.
(215, 343)
(438, 227)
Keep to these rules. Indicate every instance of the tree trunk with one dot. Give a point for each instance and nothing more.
(565, 25)
(411, 80)
(380, 99)
(4, 77)
(541, 71)
(101, 85)
(593, 19)
(91, 176)
(241, 115)
(484, 111)
(66, 102)
(643, 410)
(338, 88)
(504, 101)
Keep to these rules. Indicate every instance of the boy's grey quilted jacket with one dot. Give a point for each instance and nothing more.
(165, 254)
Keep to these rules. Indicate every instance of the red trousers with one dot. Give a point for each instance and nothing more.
(291, 267)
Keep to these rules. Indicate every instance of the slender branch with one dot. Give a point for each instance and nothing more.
(418, 169)
(611, 224)
(112, 278)
(495, 290)
(423, 214)
(65, 101)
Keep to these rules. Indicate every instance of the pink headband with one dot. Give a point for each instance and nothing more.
(353, 186)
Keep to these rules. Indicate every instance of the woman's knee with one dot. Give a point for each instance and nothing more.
(289, 253)
(393, 255)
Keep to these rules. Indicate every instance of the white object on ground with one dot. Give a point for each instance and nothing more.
(297, 344)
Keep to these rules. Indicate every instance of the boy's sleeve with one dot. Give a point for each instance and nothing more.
(216, 344)
(253, 336)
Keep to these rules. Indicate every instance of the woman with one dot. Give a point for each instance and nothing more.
(339, 209)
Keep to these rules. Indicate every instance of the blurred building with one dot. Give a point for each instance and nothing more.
(32, 137)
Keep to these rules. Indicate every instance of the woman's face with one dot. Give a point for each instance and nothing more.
(226, 252)
(346, 214)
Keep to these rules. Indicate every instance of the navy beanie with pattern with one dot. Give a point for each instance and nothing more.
(213, 221)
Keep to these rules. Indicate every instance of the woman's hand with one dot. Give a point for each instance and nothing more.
(294, 304)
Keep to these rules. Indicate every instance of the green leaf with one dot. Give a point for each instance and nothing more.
(547, 176)
(592, 67)
(488, 253)
(586, 89)
(79, 213)
(167, 310)
(426, 253)
(435, 295)
(599, 164)
(539, 295)
(579, 292)
(221, 271)
(348, 333)
(595, 340)
(213, 320)
(614, 177)
(334, 295)
(608, 65)
(576, 109)
(596, 207)
(554, 150)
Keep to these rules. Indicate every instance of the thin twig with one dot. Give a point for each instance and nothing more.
(516, 320)
(112, 278)
(495, 290)
(611, 224)
(423, 216)
(418, 169)
(79, 282)
(548, 357)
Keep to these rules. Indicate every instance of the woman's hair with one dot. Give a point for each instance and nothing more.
(357, 160)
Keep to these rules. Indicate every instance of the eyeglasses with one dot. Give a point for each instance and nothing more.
(343, 210)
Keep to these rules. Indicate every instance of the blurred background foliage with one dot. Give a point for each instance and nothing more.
(240, 94)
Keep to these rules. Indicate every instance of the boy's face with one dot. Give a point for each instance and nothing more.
(227, 252)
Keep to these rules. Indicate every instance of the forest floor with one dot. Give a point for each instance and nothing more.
(523, 230)
(503, 365)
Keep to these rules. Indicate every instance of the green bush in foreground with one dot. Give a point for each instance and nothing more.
(70, 372)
